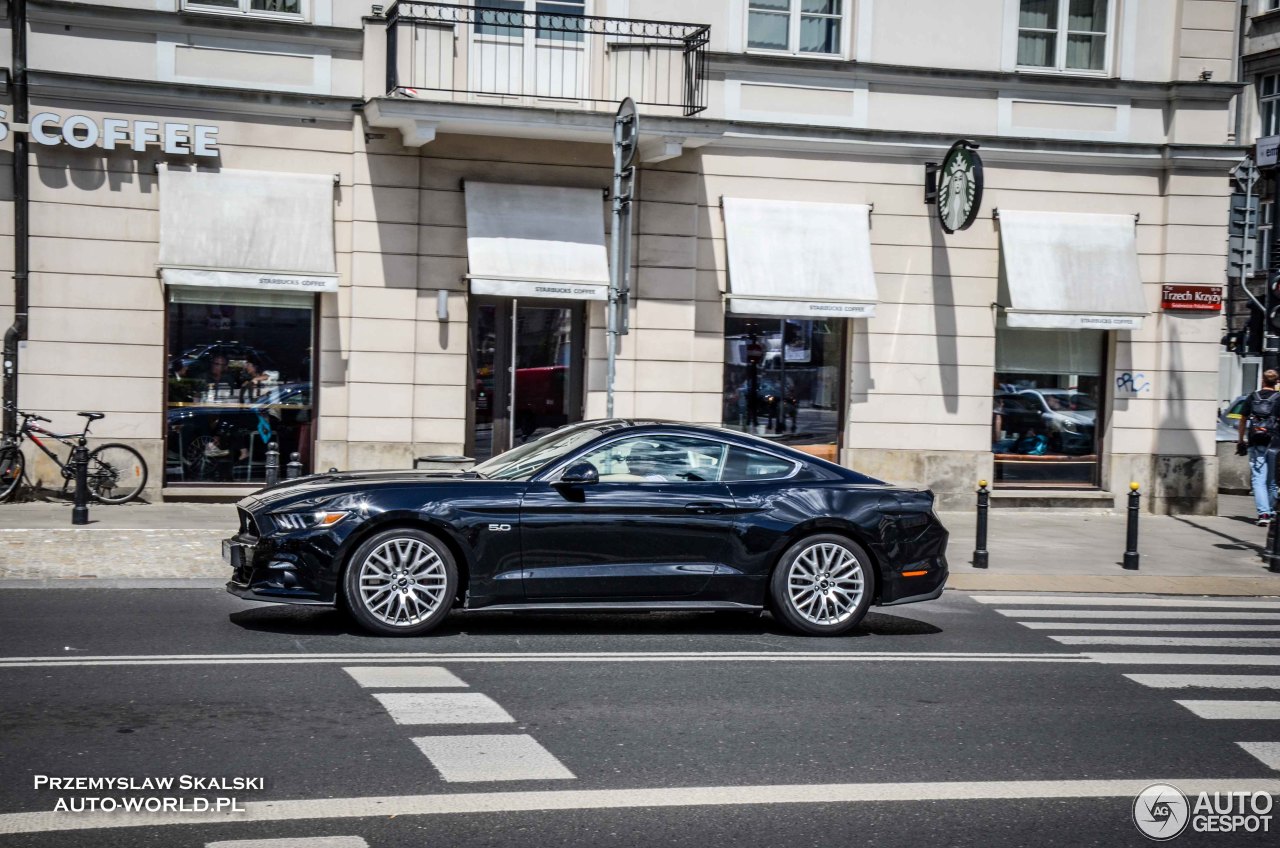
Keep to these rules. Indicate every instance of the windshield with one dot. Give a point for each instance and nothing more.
(523, 462)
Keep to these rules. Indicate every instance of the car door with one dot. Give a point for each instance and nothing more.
(655, 526)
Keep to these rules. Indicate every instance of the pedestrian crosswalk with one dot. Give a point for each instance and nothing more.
(469, 758)
(1225, 633)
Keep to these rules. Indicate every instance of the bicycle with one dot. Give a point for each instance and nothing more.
(116, 473)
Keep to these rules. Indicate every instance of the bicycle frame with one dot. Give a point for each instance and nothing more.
(29, 430)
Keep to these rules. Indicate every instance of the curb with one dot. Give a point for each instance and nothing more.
(1145, 584)
(114, 583)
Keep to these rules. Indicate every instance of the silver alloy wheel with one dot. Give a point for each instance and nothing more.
(825, 583)
(402, 581)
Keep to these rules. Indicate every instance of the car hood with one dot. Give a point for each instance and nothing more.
(1077, 417)
(320, 486)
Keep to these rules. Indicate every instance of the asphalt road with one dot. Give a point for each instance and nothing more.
(948, 723)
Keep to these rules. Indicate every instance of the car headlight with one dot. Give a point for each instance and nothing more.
(1070, 427)
(308, 520)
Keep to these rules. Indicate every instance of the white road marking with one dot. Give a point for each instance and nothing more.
(1112, 601)
(621, 657)
(1146, 626)
(1171, 641)
(1124, 658)
(1207, 681)
(1128, 614)
(443, 708)
(471, 803)
(494, 757)
(1268, 752)
(401, 676)
(1251, 710)
(294, 842)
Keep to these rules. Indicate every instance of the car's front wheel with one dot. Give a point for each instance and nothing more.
(823, 585)
(400, 582)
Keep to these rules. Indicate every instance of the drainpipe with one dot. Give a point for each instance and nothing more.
(21, 197)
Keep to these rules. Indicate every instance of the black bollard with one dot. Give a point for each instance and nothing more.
(980, 545)
(273, 463)
(1131, 534)
(293, 470)
(333, 469)
(80, 456)
(1271, 553)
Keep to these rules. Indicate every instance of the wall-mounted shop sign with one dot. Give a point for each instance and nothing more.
(1191, 298)
(82, 131)
(1268, 146)
(956, 186)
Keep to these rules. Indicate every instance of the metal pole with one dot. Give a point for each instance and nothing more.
(17, 332)
(615, 272)
(80, 456)
(1131, 533)
(273, 463)
(980, 556)
(1271, 552)
(780, 425)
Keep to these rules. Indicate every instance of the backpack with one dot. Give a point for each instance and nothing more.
(1262, 415)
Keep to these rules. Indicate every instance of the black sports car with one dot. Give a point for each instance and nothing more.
(602, 515)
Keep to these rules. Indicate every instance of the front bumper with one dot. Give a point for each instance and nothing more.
(295, 568)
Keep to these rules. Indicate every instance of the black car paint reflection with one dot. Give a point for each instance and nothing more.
(530, 543)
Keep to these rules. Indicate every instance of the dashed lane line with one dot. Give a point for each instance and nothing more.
(1207, 681)
(402, 676)
(485, 758)
(1148, 627)
(1168, 641)
(1267, 752)
(294, 842)
(1170, 615)
(1243, 710)
(443, 708)
(1113, 601)
(476, 803)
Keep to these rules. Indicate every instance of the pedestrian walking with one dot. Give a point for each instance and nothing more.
(1257, 423)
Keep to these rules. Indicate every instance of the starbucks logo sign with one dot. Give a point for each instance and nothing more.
(959, 187)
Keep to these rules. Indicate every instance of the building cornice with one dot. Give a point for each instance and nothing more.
(48, 86)
(419, 120)
(828, 70)
(157, 21)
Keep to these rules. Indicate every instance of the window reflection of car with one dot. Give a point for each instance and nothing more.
(210, 439)
(1229, 420)
(767, 401)
(195, 361)
(1065, 416)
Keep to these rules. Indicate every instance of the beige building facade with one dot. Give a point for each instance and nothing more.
(374, 234)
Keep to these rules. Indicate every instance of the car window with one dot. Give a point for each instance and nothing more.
(523, 462)
(744, 464)
(659, 458)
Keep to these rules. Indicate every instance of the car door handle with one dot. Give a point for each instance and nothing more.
(704, 508)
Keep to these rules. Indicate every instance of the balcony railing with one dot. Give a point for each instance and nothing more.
(500, 51)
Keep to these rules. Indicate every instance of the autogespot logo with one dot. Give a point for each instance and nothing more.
(1161, 812)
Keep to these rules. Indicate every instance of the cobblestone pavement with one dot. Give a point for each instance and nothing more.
(110, 554)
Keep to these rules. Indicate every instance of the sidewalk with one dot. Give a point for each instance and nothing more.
(1067, 550)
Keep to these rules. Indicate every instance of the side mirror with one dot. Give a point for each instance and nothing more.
(580, 474)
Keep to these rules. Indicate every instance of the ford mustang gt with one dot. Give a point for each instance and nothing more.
(601, 515)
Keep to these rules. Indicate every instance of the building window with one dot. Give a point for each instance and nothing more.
(239, 378)
(796, 26)
(1045, 413)
(1265, 6)
(1269, 105)
(265, 8)
(782, 379)
(1064, 35)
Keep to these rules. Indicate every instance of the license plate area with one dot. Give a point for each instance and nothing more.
(237, 554)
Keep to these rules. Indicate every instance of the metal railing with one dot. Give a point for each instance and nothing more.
(498, 51)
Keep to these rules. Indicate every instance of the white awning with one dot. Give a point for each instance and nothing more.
(1068, 270)
(536, 241)
(247, 229)
(797, 258)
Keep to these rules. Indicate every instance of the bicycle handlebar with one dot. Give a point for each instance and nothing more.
(30, 416)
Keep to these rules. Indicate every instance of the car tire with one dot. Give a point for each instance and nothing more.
(400, 582)
(823, 585)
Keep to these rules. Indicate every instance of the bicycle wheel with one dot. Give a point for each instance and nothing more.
(117, 474)
(11, 468)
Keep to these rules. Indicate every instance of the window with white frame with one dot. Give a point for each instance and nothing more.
(1269, 105)
(1063, 35)
(1265, 6)
(265, 8)
(795, 26)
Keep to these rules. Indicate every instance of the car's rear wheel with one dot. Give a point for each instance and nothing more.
(823, 585)
(400, 582)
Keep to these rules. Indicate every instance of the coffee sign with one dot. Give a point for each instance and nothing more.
(1191, 298)
(82, 131)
